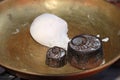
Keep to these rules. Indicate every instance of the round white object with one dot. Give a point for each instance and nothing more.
(50, 30)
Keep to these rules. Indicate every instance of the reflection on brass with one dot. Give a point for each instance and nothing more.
(19, 52)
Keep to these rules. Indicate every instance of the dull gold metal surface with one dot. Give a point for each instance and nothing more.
(19, 52)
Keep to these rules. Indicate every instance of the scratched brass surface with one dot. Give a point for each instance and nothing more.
(19, 52)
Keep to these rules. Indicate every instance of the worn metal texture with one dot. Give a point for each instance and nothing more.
(21, 54)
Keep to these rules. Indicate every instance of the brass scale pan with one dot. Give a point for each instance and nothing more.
(23, 56)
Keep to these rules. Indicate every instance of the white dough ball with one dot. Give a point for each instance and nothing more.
(50, 30)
